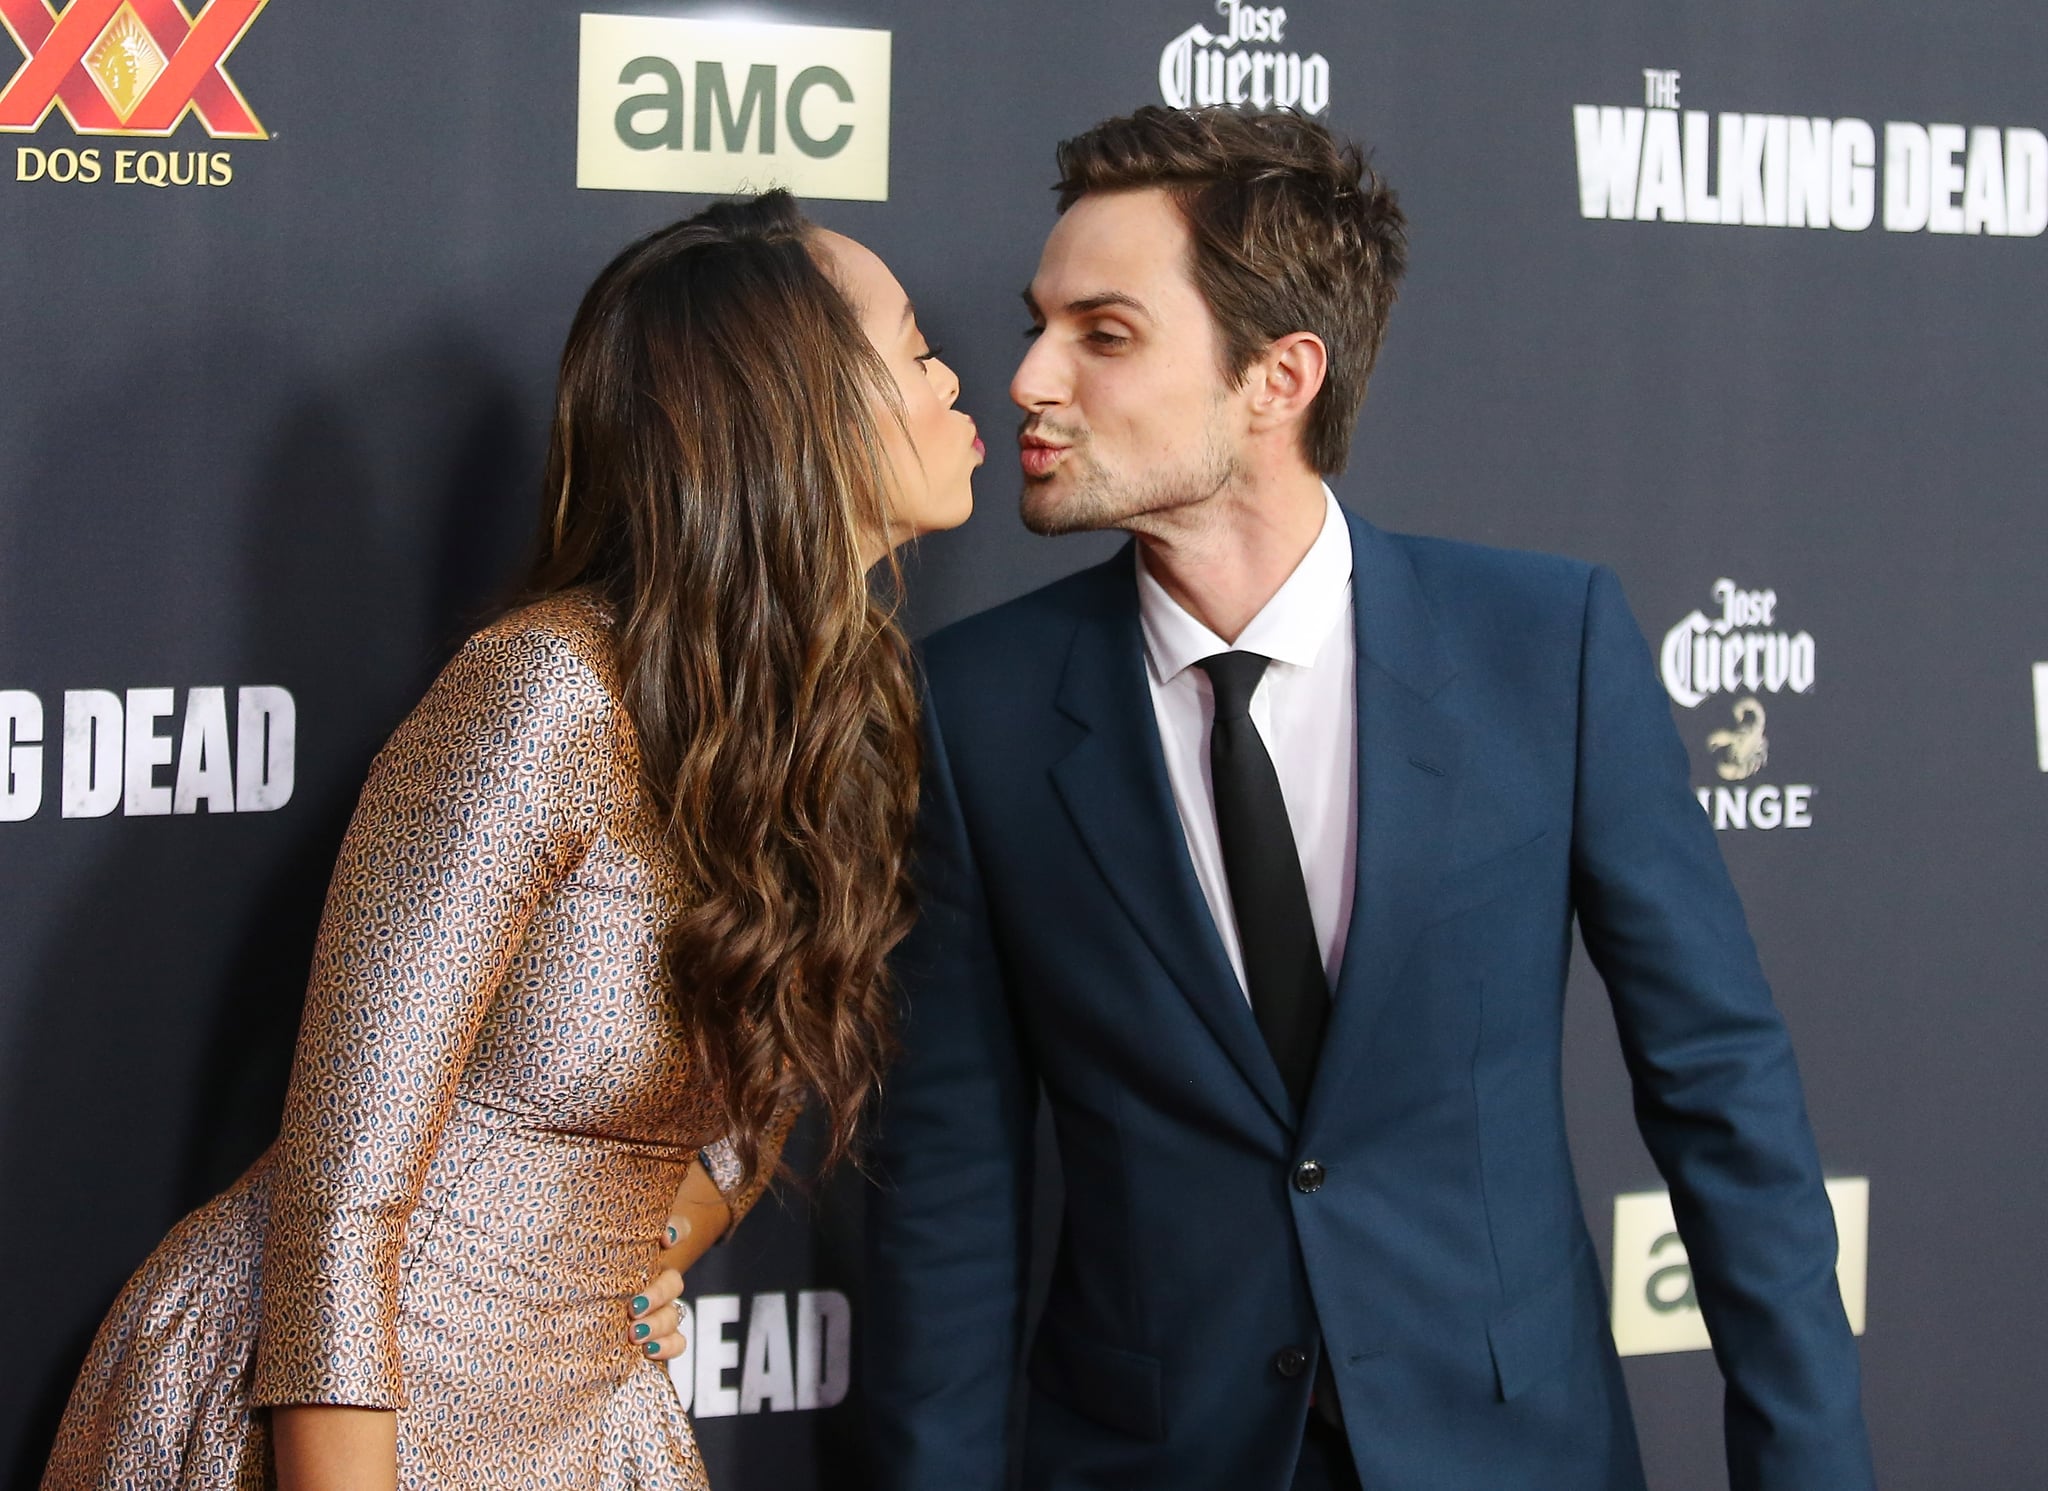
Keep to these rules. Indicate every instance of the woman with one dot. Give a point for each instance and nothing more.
(619, 887)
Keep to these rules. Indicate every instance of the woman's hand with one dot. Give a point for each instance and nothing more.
(323, 1448)
(657, 1321)
(698, 1217)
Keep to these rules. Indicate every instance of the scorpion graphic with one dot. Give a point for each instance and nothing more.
(1743, 750)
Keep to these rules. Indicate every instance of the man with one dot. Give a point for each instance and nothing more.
(1256, 851)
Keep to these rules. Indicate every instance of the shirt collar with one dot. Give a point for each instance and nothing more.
(1290, 628)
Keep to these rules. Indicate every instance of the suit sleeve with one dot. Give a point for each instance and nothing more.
(485, 798)
(948, 1218)
(1717, 1094)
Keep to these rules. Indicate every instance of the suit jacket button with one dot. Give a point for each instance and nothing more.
(1291, 1362)
(1308, 1177)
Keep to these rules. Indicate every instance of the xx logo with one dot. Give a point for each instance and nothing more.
(127, 67)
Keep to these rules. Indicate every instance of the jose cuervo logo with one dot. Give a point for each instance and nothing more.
(1243, 65)
(1741, 652)
(668, 105)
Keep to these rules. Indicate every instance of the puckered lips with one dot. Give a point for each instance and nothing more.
(1039, 456)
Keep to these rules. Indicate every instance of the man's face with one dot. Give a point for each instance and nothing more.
(1126, 410)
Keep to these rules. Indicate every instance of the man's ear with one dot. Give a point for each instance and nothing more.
(1286, 378)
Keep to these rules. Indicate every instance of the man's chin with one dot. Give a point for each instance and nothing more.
(1045, 522)
(1049, 511)
(1054, 523)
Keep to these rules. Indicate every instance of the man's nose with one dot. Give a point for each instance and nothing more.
(1040, 381)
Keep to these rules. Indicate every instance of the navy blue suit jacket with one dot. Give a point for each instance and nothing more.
(1517, 767)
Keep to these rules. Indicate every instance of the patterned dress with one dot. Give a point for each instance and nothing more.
(490, 1109)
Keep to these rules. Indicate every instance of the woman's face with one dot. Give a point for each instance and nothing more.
(933, 453)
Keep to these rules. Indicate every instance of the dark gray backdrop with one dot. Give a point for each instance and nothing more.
(287, 431)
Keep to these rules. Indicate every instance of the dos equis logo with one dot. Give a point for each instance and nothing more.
(127, 67)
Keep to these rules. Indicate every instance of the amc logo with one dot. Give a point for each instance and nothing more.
(666, 105)
(1655, 1306)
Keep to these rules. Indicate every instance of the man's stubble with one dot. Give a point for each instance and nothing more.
(1095, 498)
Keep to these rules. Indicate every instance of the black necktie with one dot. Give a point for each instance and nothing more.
(1283, 962)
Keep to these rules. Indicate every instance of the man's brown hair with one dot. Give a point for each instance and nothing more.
(1292, 231)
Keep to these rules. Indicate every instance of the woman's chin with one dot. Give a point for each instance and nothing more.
(953, 512)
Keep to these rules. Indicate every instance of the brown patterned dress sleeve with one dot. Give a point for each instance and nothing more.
(485, 799)
(722, 1164)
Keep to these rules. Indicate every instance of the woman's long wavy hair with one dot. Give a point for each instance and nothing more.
(715, 473)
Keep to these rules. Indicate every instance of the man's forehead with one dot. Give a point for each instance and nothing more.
(1127, 248)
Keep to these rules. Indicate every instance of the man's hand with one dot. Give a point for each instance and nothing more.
(698, 1217)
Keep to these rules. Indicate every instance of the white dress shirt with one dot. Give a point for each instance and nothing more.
(1305, 709)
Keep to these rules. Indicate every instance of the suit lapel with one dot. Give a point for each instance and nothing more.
(1115, 787)
(1410, 756)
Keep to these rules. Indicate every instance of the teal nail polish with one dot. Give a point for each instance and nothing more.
(639, 1304)
(652, 1348)
(639, 1332)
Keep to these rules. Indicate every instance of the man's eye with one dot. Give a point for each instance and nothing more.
(1109, 341)
(1033, 331)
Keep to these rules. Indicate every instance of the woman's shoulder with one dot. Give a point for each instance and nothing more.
(562, 640)
(544, 671)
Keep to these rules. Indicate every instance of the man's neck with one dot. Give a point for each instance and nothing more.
(1223, 559)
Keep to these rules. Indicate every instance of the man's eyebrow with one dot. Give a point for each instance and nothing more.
(1102, 300)
(1106, 298)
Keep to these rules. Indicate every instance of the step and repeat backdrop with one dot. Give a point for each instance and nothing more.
(1746, 301)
